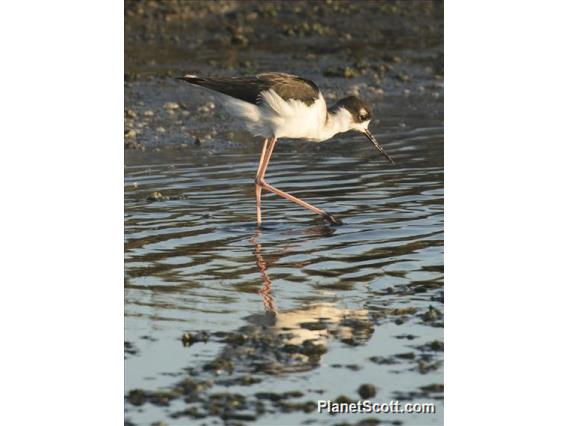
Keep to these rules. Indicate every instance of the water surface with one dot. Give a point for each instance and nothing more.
(363, 291)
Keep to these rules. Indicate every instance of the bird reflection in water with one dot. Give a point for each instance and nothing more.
(265, 291)
(313, 322)
(290, 340)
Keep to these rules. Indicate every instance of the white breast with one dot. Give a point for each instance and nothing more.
(282, 119)
(293, 118)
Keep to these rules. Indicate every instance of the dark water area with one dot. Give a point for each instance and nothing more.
(226, 323)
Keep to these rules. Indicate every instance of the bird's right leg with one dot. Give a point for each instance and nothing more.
(261, 167)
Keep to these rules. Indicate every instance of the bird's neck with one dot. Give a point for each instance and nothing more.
(337, 121)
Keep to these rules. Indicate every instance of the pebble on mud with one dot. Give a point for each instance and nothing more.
(136, 397)
(130, 348)
(238, 39)
(133, 144)
(367, 391)
(157, 196)
(437, 345)
(406, 355)
(381, 360)
(425, 367)
(192, 388)
(161, 398)
(236, 339)
(392, 59)
(342, 399)
(403, 311)
(310, 348)
(171, 105)
(374, 422)
(433, 388)
(219, 365)
(432, 314)
(272, 396)
(344, 72)
(247, 380)
(433, 346)
(406, 336)
(306, 407)
(314, 325)
(189, 339)
(207, 108)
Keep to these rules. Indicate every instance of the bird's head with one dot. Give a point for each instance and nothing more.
(360, 116)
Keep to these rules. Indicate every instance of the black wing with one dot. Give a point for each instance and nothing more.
(249, 88)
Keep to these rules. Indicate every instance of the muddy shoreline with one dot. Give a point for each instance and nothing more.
(371, 49)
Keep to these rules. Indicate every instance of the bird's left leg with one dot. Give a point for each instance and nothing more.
(260, 180)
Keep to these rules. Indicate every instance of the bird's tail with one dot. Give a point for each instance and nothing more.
(247, 112)
(190, 78)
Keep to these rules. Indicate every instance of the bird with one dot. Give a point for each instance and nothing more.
(277, 105)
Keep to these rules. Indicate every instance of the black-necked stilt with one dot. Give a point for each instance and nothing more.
(277, 105)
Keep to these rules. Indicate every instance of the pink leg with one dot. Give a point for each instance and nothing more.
(261, 182)
(267, 149)
(258, 187)
(268, 154)
(261, 162)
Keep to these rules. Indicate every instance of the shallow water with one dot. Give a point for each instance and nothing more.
(197, 263)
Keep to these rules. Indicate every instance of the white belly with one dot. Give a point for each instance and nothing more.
(294, 119)
(283, 119)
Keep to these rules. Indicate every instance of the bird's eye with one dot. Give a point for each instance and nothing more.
(362, 117)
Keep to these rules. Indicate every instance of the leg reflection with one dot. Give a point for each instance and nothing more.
(265, 291)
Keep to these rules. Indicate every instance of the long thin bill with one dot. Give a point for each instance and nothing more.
(378, 146)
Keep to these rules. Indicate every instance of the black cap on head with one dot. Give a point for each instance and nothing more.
(360, 110)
